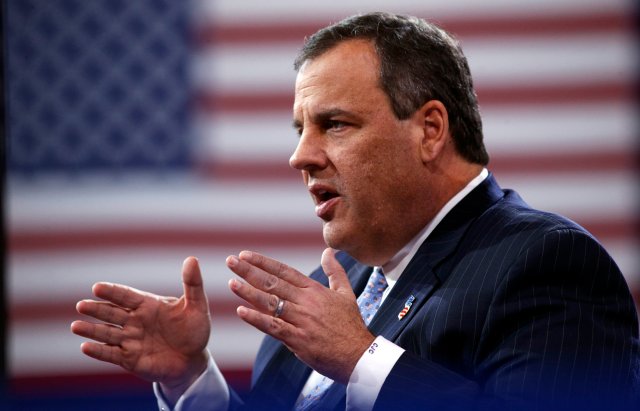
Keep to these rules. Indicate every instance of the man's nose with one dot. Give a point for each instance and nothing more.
(309, 154)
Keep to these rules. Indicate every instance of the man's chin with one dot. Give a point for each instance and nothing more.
(338, 237)
(331, 235)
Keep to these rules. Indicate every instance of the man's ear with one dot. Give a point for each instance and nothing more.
(434, 120)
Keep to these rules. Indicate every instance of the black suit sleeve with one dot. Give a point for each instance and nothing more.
(560, 333)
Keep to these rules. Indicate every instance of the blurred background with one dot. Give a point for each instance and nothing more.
(141, 132)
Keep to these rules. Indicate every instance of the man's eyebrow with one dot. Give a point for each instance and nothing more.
(328, 114)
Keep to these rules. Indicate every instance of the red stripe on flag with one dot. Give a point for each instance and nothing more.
(290, 31)
(151, 237)
(563, 162)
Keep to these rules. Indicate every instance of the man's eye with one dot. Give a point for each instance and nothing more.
(335, 125)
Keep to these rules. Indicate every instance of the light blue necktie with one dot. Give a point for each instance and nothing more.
(368, 303)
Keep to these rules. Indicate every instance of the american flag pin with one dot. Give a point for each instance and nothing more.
(407, 305)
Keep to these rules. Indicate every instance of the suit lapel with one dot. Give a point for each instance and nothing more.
(426, 270)
(447, 236)
(418, 281)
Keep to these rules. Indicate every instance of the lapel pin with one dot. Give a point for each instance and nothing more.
(407, 305)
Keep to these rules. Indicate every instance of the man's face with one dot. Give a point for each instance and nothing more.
(361, 164)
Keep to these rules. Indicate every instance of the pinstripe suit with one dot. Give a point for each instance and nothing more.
(514, 309)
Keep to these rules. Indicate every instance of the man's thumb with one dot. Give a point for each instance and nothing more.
(192, 283)
(338, 280)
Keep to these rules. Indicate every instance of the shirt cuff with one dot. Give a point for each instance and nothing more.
(209, 392)
(370, 373)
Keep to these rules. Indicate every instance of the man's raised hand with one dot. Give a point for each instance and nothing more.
(157, 338)
(321, 325)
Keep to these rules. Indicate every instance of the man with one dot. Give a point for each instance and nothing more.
(486, 303)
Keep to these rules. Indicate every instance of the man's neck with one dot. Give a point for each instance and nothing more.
(394, 267)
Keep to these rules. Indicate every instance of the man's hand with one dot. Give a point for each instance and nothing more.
(322, 326)
(157, 338)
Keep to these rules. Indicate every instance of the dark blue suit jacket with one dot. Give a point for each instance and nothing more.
(514, 309)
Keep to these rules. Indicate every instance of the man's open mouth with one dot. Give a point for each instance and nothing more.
(325, 197)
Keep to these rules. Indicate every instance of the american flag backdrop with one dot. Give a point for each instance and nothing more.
(142, 132)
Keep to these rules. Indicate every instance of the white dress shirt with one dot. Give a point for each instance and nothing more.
(210, 391)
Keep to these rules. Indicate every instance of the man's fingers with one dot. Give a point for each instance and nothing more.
(262, 301)
(275, 327)
(103, 352)
(104, 333)
(338, 280)
(103, 311)
(192, 284)
(118, 294)
(263, 280)
(275, 267)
